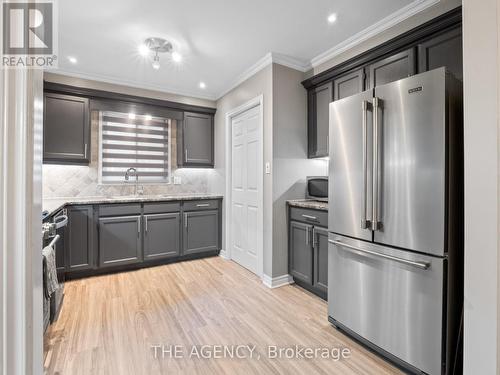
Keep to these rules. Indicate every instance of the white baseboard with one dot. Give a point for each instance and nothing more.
(224, 254)
(276, 282)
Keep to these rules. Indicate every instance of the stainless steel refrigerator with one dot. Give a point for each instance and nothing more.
(395, 220)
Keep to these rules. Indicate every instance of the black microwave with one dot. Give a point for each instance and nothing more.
(317, 188)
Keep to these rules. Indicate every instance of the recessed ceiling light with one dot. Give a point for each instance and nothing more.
(144, 50)
(72, 59)
(203, 85)
(131, 116)
(176, 56)
(332, 18)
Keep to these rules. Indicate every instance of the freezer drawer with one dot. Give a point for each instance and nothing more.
(391, 298)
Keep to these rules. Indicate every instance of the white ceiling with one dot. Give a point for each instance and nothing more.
(218, 39)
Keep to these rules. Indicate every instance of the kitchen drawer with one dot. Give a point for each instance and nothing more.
(309, 216)
(119, 209)
(160, 208)
(201, 205)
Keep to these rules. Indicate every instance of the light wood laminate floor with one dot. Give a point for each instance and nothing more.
(108, 324)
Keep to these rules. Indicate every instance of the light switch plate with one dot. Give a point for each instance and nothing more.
(177, 180)
(268, 168)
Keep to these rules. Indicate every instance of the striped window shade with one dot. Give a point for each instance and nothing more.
(141, 142)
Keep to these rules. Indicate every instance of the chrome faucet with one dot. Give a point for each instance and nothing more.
(136, 174)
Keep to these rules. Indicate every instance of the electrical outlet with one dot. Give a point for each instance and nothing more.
(268, 168)
(177, 180)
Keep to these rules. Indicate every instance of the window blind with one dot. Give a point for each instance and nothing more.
(134, 141)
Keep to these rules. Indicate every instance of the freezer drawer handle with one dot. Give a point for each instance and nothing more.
(421, 265)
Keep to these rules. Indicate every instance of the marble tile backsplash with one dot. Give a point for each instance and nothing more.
(82, 181)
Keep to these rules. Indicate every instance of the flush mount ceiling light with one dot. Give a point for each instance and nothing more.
(158, 45)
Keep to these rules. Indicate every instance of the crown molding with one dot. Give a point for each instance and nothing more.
(269, 58)
(255, 68)
(133, 84)
(290, 62)
(386, 23)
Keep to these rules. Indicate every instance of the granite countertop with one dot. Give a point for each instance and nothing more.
(52, 205)
(308, 203)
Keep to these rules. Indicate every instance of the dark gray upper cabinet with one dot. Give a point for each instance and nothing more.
(195, 141)
(319, 100)
(442, 50)
(66, 134)
(393, 68)
(80, 254)
(349, 84)
(301, 251)
(161, 235)
(201, 231)
(320, 272)
(120, 240)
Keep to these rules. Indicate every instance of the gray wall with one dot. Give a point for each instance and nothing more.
(258, 84)
(290, 162)
(285, 148)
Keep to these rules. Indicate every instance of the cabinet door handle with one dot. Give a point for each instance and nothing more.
(203, 205)
(85, 151)
(185, 154)
(186, 221)
(139, 226)
(307, 235)
(314, 237)
(146, 223)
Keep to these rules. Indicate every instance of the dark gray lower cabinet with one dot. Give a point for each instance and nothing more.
(119, 240)
(301, 252)
(201, 231)
(308, 249)
(161, 235)
(320, 272)
(120, 236)
(80, 249)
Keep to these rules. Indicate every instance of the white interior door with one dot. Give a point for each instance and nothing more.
(246, 190)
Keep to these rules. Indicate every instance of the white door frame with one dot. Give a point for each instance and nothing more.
(21, 288)
(257, 101)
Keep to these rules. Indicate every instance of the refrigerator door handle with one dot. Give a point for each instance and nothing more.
(365, 224)
(421, 265)
(375, 178)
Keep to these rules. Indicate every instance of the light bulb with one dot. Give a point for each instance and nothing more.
(176, 56)
(156, 62)
(144, 50)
